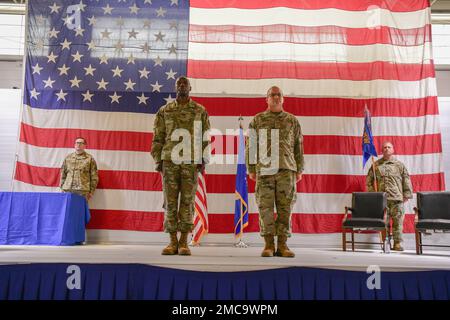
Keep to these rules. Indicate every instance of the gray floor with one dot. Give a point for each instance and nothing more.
(226, 258)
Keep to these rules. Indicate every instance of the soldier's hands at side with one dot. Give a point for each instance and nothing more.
(201, 168)
(299, 176)
(89, 196)
(252, 176)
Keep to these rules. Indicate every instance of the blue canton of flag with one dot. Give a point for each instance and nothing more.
(368, 147)
(241, 192)
(114, 56)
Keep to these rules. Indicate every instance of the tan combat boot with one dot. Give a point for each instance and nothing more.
(183, 249)
(269, 248)
(283, 249)
(397, 246)
(172, 247)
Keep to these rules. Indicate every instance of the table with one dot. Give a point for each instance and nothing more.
(42, 218)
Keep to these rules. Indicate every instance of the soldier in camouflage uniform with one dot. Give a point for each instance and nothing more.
(392, 177)
(180, 177)
(79, 171)
(276, 187)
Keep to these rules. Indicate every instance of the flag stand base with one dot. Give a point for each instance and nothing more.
(241, 244)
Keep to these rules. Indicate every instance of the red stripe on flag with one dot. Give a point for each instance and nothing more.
(327, 107)
(108, 179)
(100, 140)
(217, 183)
(39, 176)
(220, 223)
(226, 144)
(404, 145)
(332, 223)
(126, 220)
(349, 5)
(327, 183)
(309, 70)
(346, 145)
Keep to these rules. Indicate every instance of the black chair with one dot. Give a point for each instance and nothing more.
(432, 215)
(368, 213)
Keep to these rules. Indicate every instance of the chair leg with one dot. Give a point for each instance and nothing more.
(353, 240)
(417, 242)
(421, 244)
(344, 240)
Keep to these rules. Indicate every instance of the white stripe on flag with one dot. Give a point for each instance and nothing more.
(340, 126)
(310, 18)
(142, 162)
(328, 52)
(318, 88)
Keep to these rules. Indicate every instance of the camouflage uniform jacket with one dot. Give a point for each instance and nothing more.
(79, 172)
(392, 178)
(290, 146)
(173, 116)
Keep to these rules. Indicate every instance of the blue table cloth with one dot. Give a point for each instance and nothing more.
(42, 218)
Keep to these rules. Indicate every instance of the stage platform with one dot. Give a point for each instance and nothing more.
(222, 258)
(140, 272)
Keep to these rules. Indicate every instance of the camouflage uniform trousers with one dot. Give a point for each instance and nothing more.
(79, 192)
(276, 190)
(396, 211)
(179, 181)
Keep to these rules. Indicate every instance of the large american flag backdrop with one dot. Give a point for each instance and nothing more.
(101, 69)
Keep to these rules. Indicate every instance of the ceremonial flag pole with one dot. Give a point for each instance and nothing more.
(241, 191)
